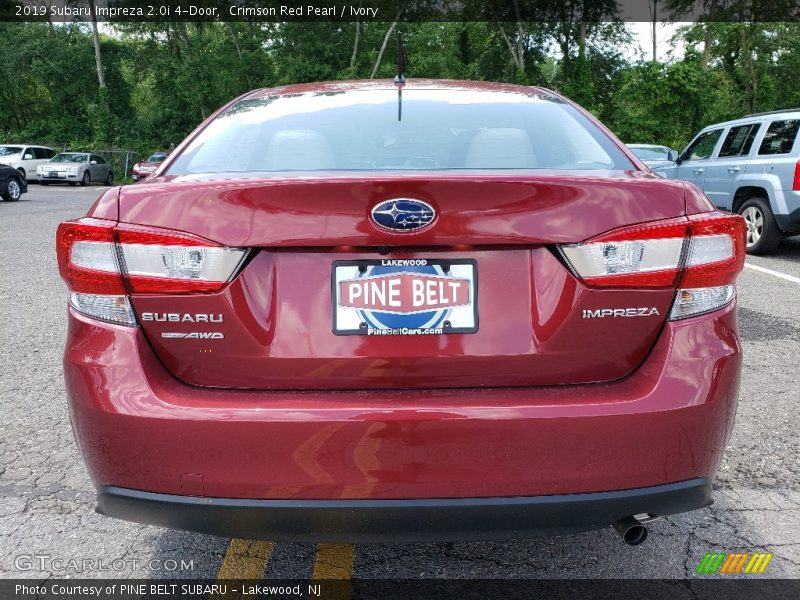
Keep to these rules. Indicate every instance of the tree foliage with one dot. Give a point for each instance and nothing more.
(163, 79)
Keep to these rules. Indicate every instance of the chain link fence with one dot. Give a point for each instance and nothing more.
(121, 161)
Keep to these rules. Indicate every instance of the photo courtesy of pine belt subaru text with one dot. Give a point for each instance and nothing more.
(330, 317)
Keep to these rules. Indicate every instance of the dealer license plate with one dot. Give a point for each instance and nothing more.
(404, 296)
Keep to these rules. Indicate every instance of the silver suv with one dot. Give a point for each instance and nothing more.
(750, 166)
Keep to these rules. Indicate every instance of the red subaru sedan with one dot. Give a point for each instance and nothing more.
(339, 313)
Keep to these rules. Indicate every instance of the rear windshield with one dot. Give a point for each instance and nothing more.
(157, 157)
(437, 130)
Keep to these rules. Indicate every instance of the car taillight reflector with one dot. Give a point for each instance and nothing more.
(113, 309)
(100, 258)
(696, 301)
(693, 253)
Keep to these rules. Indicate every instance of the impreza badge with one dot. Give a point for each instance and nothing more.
(600, 313)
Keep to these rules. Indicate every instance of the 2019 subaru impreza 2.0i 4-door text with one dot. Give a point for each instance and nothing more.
(325, 319)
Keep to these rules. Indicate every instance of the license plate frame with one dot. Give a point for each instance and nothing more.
(456, 319)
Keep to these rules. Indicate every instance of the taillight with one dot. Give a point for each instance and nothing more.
(796, 181)
(641, 256)
(158, 261)
(701, 255)
(716, 250)
(102, 262)
(86, 258)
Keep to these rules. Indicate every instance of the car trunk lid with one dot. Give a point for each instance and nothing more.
(535, 322)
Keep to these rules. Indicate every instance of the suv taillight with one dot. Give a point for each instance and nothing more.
(796, 180)
(701, 255)
(104, 261)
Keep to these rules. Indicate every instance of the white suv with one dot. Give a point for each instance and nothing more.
(749, 166)
(25, 158)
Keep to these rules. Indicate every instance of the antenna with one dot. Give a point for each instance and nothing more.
(400, 78)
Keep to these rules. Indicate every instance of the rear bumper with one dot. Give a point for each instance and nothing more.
(401, 520)
(139, 428)
(65, 178)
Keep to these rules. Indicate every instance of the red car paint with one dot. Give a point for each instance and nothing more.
(539, 401)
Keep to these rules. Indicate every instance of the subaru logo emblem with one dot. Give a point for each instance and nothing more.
(403, 214)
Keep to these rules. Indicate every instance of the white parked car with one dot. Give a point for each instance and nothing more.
(25, 158)
(74, 168)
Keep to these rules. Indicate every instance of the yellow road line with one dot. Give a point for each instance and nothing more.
(334, 561)
(245, 559)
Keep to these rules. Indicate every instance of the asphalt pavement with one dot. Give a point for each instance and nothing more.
(49, 528)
